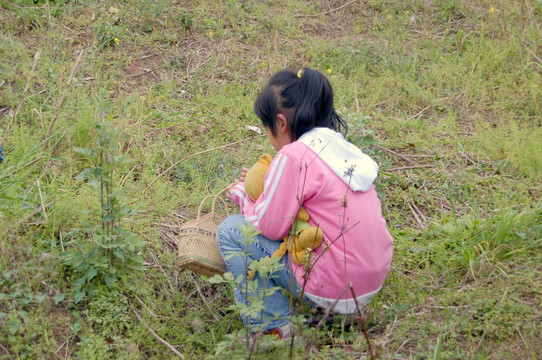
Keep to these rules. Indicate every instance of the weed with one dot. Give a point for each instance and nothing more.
(448, 85)
(254, 293)
(114, 251)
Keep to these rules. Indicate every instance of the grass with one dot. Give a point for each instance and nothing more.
(445, 96)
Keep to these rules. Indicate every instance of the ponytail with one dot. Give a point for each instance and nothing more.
(305, 97)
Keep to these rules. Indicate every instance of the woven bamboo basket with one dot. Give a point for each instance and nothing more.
(197, 248)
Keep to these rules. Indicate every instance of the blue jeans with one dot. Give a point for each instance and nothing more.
(277, 305)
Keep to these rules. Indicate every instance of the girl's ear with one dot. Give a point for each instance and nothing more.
(282, 124)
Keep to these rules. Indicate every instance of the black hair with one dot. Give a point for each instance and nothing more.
(304, 97)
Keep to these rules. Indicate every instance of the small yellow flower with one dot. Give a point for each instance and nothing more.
(388, 17)
(491, 10)
(328, 71)
(117, 40)
(446, 30)
(324, 54)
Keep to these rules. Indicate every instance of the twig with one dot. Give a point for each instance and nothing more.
(363, 319)
(50, 287)
(146, 307)
(62, 97)
(394, 153)
(522, 18)
(419, 113)
(401, 346)
(326, 315)
(66, 342)
(171, 287)
(411, 167)
(358, 108)
(5, 350)
(534, 18)
(424, 219)
(500, 20)
(126, 175)
(418, 220)
(41, 199)
(158, 337)
(196, 154)
(532, 53)
(36, 58)
(22, 167)
(147, 71)
(329, 11)
(328, 311)
(61, 240)
(26, 218)
(205, 300)
(417, 282)
(211, 78)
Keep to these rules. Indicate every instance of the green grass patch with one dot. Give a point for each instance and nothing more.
(445, 96)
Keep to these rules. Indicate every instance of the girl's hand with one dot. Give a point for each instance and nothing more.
(243, 174)
(240, 179)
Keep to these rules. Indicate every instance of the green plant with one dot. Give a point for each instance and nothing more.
(187, 21)
(254, 294)
(475, 241)
(446, 102)
(105, 252)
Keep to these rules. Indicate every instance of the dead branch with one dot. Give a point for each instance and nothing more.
(5, 351)
(418, 220)
(24, 166)
(417, 209)
(196, 154)
(28, 217)
(533, 54)
(418, 113)
(147, 71)
(41, 199)
(36, 58)
(363, 319)
(411, 167)
(62, 97)
(326, 315)
(157, 337)
(327, 12)
(394, 153)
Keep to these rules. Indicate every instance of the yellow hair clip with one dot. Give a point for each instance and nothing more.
(300, 73)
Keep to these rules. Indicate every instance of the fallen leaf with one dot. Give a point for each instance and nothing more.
(254, 128)
(131, 348)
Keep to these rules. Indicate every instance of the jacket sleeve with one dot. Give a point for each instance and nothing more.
(276, 208)
(240, 197)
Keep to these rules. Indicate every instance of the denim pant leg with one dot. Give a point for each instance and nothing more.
(277, 305)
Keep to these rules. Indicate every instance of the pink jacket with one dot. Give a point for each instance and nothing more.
(333, 180)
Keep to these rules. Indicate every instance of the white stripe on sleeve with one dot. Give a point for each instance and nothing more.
(273, 182)
(240, 194)
(272, 171)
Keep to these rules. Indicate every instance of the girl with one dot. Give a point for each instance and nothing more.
(315, 167)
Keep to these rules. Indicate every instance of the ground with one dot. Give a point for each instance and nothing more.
(445, 96)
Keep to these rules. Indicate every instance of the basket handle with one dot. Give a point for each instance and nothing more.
(217, 196)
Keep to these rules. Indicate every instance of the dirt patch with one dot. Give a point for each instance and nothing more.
(142, 70)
